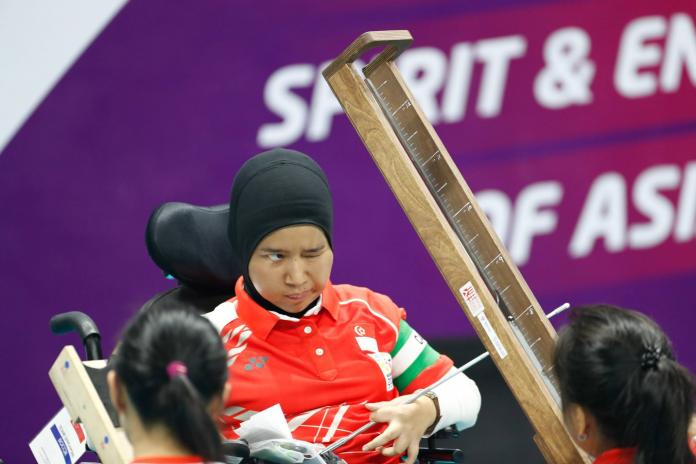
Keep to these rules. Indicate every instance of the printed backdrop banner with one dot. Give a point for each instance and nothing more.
(573, 122)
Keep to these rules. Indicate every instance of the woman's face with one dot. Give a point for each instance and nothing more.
(291, 266)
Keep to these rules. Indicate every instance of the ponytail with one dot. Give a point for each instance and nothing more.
(662, 421)
(188, 418)
(173, 364)
(619, 366)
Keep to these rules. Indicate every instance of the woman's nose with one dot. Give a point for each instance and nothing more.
(296, 273)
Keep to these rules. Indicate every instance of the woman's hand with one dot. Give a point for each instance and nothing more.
(407, 423)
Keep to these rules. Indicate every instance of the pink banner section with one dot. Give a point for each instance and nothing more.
(575, 71)
(595, 217)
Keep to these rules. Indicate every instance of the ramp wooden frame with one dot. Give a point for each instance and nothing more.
(82, 401)
(458, 236)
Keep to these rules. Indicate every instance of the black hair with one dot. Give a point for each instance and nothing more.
(619, 365)
(161, 333)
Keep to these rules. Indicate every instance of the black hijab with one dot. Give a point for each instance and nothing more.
(272, 190)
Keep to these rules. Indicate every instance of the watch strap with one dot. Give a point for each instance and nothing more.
(438, 416)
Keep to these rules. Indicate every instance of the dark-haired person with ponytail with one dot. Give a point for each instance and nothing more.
(333, 356)
(626, 400)
(167, 383)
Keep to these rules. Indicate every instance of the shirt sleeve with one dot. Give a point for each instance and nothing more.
(460, 402)
(416, 365)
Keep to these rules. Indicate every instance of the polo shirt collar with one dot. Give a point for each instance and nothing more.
(262, 322)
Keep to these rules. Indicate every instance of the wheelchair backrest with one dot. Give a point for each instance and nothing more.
(190, 244)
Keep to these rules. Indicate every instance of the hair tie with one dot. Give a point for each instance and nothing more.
(176, 368)
(650, 357)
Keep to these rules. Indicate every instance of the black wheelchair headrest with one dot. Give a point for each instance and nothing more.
(190, 243)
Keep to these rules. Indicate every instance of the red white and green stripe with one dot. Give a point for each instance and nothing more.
(411, 356)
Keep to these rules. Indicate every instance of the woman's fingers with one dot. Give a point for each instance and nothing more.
(412, 454)
(389, 434)
(403, 432)
(376, 406)
(387, 413)
(400, 445)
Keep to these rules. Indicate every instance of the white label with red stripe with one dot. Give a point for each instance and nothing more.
(472, 299)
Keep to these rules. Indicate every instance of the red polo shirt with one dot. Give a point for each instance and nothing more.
(321, 368)
(617, 456)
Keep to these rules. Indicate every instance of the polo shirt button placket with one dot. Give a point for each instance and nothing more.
(318, 351)
(324, 363)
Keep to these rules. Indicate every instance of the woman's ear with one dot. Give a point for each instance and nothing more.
(228, 388)
(217, 403)
(580, 425)
(584, 429)
(116, 391)
(577, 421)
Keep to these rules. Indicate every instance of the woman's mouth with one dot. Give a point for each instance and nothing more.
(298, 296)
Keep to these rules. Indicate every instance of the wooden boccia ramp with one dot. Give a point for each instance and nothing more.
(441, 207)
(76, 382)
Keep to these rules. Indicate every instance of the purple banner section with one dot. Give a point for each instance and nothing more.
(573, 122)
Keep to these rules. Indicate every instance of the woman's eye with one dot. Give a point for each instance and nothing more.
(275, 257)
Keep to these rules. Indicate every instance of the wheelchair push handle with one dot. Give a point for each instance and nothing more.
(77, 321)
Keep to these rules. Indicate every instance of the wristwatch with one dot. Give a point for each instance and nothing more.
(438, 416)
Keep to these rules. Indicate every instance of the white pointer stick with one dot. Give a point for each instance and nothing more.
(338, 443)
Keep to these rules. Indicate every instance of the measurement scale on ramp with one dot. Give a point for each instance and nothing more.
(444, 212)
(457, 207)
